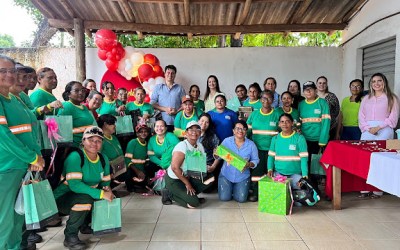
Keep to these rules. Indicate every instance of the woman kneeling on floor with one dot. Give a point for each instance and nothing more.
(86, 178)
(182, 188)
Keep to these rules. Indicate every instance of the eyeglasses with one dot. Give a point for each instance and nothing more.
(355, 87)
(241, 129)
(267, 98)
(5, 71)
(193, 130)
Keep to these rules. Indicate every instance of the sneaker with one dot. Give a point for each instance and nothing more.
(34, 238)
(202, 200)
(30, 246)
(165, 197)
(252, 198)
(74, 243)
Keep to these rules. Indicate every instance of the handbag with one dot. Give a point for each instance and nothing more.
(118, 165)
(39, 203)
(106, 216)
(124, 125)
(19, 202)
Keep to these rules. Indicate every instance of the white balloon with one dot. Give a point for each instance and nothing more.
(137, 58)
(128, 66)
(152, 87)
(129, 50)
(152, 81)
(159, 80)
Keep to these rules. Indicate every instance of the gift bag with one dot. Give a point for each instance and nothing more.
(124, 125)
(231, 158)
(195, 164)
(274, 197)
(315, 166)
(118, 166)
(56, 130)
(159, 180)
(106, 217)
(19, 203)
(39, 203)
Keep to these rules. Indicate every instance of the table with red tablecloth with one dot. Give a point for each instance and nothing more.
(353, 157)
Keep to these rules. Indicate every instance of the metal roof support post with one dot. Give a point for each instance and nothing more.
(80, 53)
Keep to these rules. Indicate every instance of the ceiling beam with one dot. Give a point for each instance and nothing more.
(186, 7)
(244, 13)
(68, 8)
(208, 1)
(127, 10)
(198, 29)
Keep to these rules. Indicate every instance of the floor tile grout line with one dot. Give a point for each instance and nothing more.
(248, 230)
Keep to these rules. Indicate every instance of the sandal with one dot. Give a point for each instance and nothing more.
(363, 196)
(375, 196)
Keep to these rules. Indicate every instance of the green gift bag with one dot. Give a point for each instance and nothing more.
(124, 125)
(273, 196)
(315, 167)
(39, 203)
(231, 157)
(106, 217)
(195, 164)
(65, 129)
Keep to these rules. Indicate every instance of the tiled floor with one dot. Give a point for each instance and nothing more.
(147, 224)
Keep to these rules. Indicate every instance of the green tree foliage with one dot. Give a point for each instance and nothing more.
(168, 41)
(32, 10)
(6, 41)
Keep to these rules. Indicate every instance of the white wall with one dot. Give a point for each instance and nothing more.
(242, 65)
(388, 28)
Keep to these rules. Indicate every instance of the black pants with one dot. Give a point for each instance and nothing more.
(313, 148)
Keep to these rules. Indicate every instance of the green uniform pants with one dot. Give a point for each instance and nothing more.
(179, 193)
(11, 223)
(260, 170)
(79, 207)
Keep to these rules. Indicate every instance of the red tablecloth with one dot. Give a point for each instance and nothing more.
(353, 158)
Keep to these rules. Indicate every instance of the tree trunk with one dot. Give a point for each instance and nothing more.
(237, 42)
(221, 41)
(43, 34)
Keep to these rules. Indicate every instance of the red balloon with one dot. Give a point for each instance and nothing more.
(145, 71)
(111, 56)
(147, 98)
(102, 54)
(111, 65)
(120, 50)
(158, 71)
(150, 59)
(105, 39)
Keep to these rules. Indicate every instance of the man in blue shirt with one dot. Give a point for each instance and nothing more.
(167, 97)
(270, 84)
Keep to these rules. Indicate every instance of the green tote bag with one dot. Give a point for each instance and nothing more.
(106, 217)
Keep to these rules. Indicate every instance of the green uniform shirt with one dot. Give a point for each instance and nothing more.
(350, 112)
(256, 105)
(41, 97)
(111, 147)
(293, 112)
(288, 154)
(18, 145)
(88, 179)
(144, 108)
(109, 107)
(263, 127)
(181, 120)
(315, 120)
(82, 118)
(136, 150)
(199, 105)
(156, 150)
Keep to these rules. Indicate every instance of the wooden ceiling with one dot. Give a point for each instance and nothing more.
(200, 17)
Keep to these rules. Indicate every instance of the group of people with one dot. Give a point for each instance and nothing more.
(277, 138)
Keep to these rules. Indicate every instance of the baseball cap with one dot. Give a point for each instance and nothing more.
(186, 98)
(309, 84)
(191, 124)
(93, 131)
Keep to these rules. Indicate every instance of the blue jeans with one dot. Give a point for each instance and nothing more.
(227, 189)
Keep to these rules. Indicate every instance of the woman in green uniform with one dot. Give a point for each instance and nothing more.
(110, 105)
(135, 159)
(160, 147)
(82, 185)
(82, 118)
(188, 114)
(146, 110)
(254, 97)
(194, 92)
(287, 102)
(18, 149)
(263, 125)
(288, 154)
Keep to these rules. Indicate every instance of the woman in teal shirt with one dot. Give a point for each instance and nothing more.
(110, 105)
